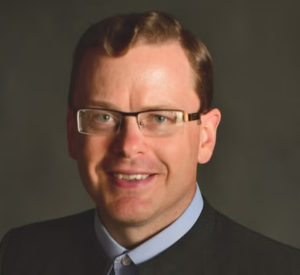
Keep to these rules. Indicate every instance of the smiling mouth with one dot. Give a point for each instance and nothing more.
(131, 177)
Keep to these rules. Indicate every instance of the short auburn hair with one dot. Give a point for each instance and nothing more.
(115, 36)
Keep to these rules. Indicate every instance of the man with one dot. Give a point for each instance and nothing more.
(139, 120)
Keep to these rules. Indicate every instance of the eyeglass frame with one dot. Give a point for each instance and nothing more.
(186, 116)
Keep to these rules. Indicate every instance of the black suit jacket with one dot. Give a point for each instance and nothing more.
(214, 246)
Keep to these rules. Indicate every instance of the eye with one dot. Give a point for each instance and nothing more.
(159, 119)
(104, 117)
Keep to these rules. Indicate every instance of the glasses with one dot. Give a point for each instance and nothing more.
(103, 122)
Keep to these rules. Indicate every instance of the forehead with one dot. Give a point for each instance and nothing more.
(156, 74)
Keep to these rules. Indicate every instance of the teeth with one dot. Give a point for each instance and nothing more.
(131, 177)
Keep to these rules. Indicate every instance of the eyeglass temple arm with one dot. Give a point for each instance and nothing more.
(190, 117)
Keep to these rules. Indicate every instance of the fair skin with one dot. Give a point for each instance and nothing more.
(147, 77)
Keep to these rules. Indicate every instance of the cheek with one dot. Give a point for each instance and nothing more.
(183, 154)
(91, 148)
(177, 153)
(90, 151)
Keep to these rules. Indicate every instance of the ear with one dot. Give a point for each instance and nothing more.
(208, 135)
(71, 133)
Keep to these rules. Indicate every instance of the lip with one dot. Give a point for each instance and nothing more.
(130, 172)
(130, 184)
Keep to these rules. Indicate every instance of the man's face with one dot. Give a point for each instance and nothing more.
(147, 77)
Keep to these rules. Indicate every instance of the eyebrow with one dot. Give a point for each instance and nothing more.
(107, 105)
(101, 104)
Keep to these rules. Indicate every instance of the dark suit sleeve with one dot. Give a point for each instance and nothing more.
(3, 247)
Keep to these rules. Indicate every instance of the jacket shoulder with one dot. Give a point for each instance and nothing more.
(53, 230)
(218, 245)
(229, 229)
(252, 249)
(50, 244)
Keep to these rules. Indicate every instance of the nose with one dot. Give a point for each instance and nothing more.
(129, 142)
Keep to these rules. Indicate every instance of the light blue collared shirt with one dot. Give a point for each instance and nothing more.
(124, 262)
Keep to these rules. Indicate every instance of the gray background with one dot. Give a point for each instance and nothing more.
(254, 174)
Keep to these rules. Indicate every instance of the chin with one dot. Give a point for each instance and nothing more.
(128, 213)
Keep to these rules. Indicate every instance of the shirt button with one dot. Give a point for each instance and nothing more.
(126, 261)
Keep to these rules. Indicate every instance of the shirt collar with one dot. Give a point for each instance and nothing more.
(157, 243)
